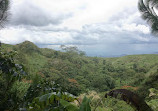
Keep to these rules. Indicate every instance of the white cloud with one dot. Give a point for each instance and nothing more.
(76, 12)
(111, 25)
(26, 12)
(97, 11)
(15, 35)
(134, 28)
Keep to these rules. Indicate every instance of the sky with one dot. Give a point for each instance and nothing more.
(98, 27)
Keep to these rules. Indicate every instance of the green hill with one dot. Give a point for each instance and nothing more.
(78, 73)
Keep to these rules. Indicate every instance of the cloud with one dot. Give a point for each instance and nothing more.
(134, 28)
(102, 33)
(29, 13)
(99, 27)
(72, 13)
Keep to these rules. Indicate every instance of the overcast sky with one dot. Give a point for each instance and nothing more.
(98, 27)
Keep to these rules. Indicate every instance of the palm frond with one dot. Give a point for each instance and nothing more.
(4, 8)
(147, 9)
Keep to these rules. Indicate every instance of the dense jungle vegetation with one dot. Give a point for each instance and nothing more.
(38, 79)
(41, 79)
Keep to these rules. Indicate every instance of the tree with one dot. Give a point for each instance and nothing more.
(148, 11)
(73, 50)
(130, 98)
(10, 72)
(4, 7)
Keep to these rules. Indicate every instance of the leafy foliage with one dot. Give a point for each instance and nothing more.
(10, 72)
(54, 72)
(85, 106)
(130, 98)
(57, 102)
(51, 101)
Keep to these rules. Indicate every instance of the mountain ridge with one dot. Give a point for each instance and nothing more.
(93, 73)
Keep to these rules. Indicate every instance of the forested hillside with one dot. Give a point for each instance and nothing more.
(76, 73)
